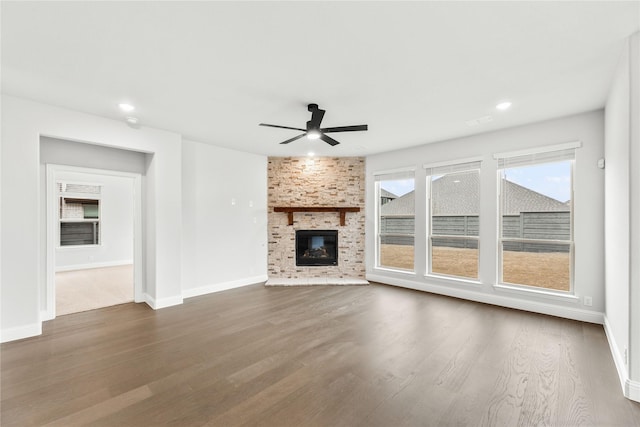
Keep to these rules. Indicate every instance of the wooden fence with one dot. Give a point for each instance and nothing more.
(399, 230)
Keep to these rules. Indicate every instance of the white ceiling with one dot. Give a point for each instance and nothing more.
(415, 72)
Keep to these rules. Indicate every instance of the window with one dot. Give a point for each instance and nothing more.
(536, 231)
(395, 220)
(454, 214)
(79, 214)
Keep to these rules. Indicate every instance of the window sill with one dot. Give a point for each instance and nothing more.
(395, 270)
(453, 279)
(555, 295)
(77, 247)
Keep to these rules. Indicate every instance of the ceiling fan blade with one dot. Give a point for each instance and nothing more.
(345, 128)
(328, 140)
(282, 127)
(316, 118)
(293, 139)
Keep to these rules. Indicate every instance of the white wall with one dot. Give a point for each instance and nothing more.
(588, 217)
(617, 211)
(23, 124)
(224, 222)
(116, 225)
(633, 386)
(187, 206)
(72, 153)
(622, 218)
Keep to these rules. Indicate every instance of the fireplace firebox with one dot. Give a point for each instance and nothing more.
(316, 247)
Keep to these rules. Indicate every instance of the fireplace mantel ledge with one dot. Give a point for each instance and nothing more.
(342, 210)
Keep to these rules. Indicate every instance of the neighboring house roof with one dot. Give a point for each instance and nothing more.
(402, 206)
(387, 194)
(451, 192)
(521, 199)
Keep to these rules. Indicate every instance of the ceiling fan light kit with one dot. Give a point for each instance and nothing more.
(314, 131)
(313, 134)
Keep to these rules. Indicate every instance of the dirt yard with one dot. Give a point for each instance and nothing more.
(545, 270)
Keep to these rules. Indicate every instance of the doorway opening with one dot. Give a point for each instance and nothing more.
(94, 249)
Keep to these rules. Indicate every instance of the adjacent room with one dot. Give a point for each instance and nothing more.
(320, 213)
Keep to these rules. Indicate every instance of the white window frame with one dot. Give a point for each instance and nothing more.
(444, 168)
(537, 156)
(62, 194)
(395, 174)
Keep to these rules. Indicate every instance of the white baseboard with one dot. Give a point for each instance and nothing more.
(21, 332)
(223, 286)
(94, 265)
(157, 304)
(618, 358)
(500, 300)
(632, 390)
(45, 315)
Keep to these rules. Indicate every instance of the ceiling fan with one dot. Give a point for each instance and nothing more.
(314, 131)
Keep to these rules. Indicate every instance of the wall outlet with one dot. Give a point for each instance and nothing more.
(588, 301)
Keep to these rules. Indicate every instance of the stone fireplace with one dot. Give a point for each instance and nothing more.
(316, 183)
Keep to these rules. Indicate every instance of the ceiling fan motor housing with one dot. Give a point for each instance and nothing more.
(314, 131)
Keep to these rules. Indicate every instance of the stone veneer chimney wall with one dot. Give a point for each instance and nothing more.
(316, 182)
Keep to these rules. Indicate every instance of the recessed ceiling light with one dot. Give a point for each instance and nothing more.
(132, 120)
(311, 154)
(126, 107)
(313, 134)
(503, 106)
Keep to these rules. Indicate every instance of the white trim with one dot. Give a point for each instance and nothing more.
(52, 242)
(52, 222)
(524, 290)
(396, 270)
(536, 150)
(223, 286)
(456, 279)
(499, 300)
(85, 196)
(157, 304)
(79, 220)
(392, 171)
(452, 162)
(618, 358)
(632, 390)
(21, 332)
(95, 184)
(45, 315)
(94, 265)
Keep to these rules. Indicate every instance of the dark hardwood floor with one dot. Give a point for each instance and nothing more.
(313, 356)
